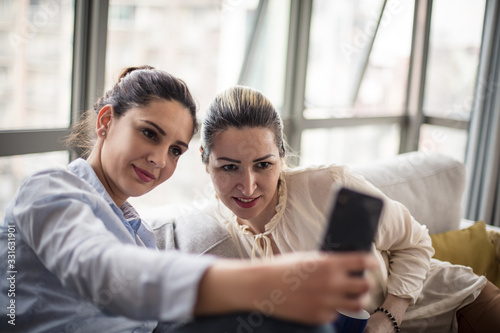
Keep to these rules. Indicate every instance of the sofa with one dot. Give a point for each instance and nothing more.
(430, 184)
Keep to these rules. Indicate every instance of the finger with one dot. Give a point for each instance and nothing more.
(356, 289)
(347, 304)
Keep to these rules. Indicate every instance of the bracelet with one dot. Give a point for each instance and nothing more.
(391, 317)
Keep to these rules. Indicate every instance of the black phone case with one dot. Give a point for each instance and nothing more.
(353, 221)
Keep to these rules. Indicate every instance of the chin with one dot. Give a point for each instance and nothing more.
(137, 192)
(245, 215)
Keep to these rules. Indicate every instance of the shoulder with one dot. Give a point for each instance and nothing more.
(305, 171)
(51, 198)
(53, 185)
(314, 184)
(54, 179)
(316, 175)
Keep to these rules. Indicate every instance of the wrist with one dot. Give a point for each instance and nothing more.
(396, 306)
(388, 314)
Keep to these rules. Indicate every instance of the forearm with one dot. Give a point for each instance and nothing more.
(305, 287)
(228, 286)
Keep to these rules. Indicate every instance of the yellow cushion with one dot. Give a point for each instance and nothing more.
(495, 239)
(469, 247)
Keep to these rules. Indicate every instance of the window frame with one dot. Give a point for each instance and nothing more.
(89, 55)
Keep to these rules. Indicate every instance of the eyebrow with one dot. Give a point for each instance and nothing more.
(236, 161)
(158, 128)
(182, 143)
(162, 132)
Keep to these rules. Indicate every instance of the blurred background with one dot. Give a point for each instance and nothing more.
(355, 80)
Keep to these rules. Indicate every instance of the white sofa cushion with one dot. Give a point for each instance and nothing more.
(430, 184)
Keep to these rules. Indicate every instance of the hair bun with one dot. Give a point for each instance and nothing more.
(129, 70)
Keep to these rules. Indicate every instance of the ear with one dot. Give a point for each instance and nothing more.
(206, 165)
(104, 119)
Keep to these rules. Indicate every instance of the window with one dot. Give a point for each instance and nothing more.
(355, 80)
(35, 63)
(357, 84)
(451, 74)
(205, 44)
(36, 53)
(355, 68)
(330, 145)
(358, 64)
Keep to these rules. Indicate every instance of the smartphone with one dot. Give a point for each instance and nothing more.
(353, 221)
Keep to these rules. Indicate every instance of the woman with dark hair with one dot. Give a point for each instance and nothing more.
(78, 258)
(269, 210)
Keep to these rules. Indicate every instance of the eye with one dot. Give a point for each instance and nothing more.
(176, 151)
(229, 167)
(263, 165)
(150, 134)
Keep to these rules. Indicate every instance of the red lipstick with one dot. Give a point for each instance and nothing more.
(144, 175)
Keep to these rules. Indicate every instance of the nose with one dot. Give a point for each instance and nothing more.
(158, 159)
(247, 184)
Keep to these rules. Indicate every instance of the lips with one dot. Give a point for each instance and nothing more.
(144, 175)
(246, 202)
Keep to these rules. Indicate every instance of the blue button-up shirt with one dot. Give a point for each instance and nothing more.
(71, 260)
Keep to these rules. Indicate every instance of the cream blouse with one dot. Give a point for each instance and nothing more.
(402, 245)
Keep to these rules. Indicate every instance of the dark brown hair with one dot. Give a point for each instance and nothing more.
(136, 87)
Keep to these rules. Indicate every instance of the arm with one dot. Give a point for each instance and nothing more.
(305, 287)
(409, 250)
(66, 230)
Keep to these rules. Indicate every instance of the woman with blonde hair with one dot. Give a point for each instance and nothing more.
(270, 210)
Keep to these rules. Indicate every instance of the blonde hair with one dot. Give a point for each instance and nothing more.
(240, 107)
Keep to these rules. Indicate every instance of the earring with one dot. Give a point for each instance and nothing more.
(103, 133)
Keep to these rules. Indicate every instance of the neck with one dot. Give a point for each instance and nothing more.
(95, 162)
